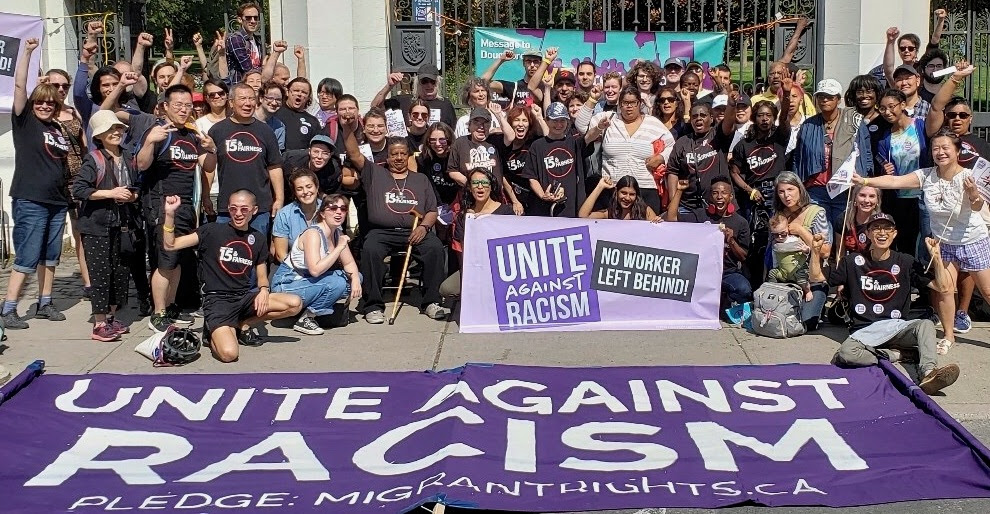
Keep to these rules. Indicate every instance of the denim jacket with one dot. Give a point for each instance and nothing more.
(809, 155)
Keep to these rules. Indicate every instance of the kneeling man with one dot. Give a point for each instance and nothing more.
(878, 285)
(227, 253)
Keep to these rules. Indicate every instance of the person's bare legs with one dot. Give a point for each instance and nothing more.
(966, 285)
(163, 286)
(945, 306)
(46, 277)
(280, 305)
(15, 284)
(223, 344)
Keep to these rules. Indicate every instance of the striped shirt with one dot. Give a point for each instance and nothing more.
(624, 153)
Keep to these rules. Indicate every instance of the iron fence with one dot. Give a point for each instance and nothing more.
(966, 35)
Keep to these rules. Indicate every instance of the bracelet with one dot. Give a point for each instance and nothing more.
(752, 194)
(547, 61)
(168, 229)
(866, 181)
(265, 287)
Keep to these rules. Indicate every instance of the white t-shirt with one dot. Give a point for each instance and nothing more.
(947, 199)
(203, 125)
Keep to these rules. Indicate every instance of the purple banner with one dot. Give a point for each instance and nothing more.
(538, 273)
(494, 437)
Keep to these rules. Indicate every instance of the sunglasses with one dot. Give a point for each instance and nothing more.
(427, 81)
(908, 48)
(419, 115)
(50, 103)
(63, 87)
(959, 115)
(215, 95)
(667, 99)
(883, 228)
(779, 235)
(482, 183)
(251, 18)
(233, 209)
(441, 141)
(341, 208)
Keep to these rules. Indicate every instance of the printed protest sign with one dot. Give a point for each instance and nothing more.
(537, 273)
(981, 175)
(533, 439)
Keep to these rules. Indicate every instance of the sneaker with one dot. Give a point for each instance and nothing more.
(160, 322)
(308, 326)
(198, 313)
(104, 332)
(144, 307)
(87, 291)
(435, 311)
(178, 317)
(375, 317)
(12, 321)
(963, 323)
(50, 312)
(118, 327)
(939, 378)
(249, 337)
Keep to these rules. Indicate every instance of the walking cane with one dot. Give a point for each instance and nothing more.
(405, 266)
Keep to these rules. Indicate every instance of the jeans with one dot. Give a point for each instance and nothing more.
(260, 222)
(37, 234)
(811, 312)
(835, 208)
(737, 287)
(318, 294)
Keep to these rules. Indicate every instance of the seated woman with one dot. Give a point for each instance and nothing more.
(320, 268)
(626, 203)
(806, 221)
(479, 198)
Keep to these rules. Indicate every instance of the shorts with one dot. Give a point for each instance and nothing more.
(37, 234)
(227, 310)
(969, 257)
(185, 223)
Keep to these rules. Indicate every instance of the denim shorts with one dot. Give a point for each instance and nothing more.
(37, 234)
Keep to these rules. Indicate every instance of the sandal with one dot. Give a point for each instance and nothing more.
(942, 346)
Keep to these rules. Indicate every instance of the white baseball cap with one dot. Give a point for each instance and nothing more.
(720, 101)
(829, 87)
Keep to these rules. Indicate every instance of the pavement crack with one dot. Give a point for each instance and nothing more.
(741, 347)
(443, 335)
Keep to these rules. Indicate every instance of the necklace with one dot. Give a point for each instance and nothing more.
(400, 190)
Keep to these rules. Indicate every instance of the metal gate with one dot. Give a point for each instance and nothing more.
(967, 36)
(115, 43)
(751, 24)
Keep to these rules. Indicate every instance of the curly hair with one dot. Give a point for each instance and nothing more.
(469, 86)
(648, 67)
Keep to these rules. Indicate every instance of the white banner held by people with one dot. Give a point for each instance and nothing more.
(15, 29)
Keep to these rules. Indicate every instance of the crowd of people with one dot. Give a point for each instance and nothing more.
(247, 169)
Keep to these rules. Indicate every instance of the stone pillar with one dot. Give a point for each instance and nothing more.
(346, 40)
(855, 33)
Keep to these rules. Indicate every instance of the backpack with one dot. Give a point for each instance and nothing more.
(777, 310)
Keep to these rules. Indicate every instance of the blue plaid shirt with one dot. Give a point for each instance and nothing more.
(921, 109)
(238, 49)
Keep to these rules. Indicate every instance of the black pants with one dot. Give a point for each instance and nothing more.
(138, 268)
(378, 244)
(907, 214)
(109, 274)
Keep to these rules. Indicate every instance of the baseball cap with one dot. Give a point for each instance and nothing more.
(564, 76)
(102, 121)
(693, 64)
(720, 101)
(881, 217)
(905, 67)
(533, 54)
(198, 97)
(481, 113)
(557, 111)
(829, 87)
(322, 139)
(428, 71)
(743, 99)
(674, 61)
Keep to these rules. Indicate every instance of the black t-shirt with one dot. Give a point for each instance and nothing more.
(467, 156)
(505, 98)
(436, 169)
(300, 127)
(878, 289)
(329, 175)
(513, 160)
(503, 209)
(390, 200)
(40, 165)
(440, 108)
(228, 255)
(740, 227)
(173, 170)
(699, 158)
(559, 161)
(973, 147)
(244, 154)
(760, 161)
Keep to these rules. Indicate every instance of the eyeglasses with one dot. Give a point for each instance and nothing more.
(63, 87)
(934, 66)
(883, 228)
(324, 93)
(908, 48)
(482, 183)
(216, 94)
(251, 18)
(50, 103)
(233, 209)
(630, 103)
(441, 141)
(272, 99)
(176, 105)
(420, 115)
(960, 115)
(341, 208)
(667, 99)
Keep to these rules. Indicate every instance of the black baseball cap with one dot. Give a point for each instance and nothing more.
(906, 67)
(480, 113)
(428, 71)
(881, 217)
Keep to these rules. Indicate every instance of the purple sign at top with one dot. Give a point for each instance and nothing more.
(543, 279)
